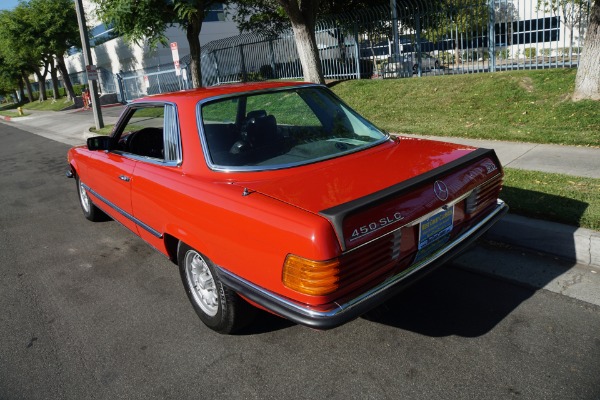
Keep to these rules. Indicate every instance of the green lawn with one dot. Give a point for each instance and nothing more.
(523, 106)
(47, 105)
(12, 114)
(553, 197)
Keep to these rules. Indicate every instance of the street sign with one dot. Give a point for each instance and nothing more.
(175, 53)
(92, 72)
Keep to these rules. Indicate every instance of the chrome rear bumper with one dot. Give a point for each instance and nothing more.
(339, 314)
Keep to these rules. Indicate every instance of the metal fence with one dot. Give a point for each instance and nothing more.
(421, 38)
(159, 79)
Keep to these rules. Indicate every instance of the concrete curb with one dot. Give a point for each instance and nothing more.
(567, 242)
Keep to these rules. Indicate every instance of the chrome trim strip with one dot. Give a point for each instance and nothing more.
(301, 309)
(148, 160)
(130, 217)
(221, 168)
(172, 135)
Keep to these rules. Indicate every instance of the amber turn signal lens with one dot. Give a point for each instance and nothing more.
(316, 278)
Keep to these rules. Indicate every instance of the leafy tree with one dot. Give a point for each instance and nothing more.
(587, 82)
(34, 35)
(142, 21)
(265, 16)
(9, 79)
(56, 23)
(270, 18)
(15, 45)
(303, 15)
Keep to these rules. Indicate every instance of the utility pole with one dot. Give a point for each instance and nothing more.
(87, 56)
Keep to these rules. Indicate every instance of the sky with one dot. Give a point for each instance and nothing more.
(8, 4)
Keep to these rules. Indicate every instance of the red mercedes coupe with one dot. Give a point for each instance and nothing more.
(280, 196)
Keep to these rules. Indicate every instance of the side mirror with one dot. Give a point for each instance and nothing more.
(98, 143)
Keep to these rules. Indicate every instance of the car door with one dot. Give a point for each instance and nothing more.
(152, 196)
(109, 181)
(138, 139)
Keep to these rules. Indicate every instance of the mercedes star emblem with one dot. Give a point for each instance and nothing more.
(441, 190)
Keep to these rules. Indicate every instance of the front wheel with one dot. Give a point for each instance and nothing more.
(220, 308)
(90, 211)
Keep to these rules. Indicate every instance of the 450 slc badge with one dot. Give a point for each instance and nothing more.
(371, 227)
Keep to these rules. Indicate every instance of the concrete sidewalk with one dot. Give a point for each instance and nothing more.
(69, 127)
(570, 243)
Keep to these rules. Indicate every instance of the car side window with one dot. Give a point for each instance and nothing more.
(143, 135)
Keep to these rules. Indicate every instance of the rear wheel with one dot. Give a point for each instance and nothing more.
(220, 308)
(90, 211)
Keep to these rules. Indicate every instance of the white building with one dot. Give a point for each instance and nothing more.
(116, 55)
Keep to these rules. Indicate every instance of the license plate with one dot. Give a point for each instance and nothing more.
(434, 232)
(435, 227)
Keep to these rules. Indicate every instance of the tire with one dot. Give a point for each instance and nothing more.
(90, 211)
(217, 306)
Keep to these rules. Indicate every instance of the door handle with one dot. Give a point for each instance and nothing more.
(124, 178)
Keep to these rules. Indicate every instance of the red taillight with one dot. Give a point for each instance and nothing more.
(483, 195)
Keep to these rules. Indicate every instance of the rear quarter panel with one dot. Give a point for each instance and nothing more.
(248, 235)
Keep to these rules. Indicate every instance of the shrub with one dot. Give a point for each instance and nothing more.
(503, 54)
(266, 72)
(446, 57)
(78, 89)
(530, 52)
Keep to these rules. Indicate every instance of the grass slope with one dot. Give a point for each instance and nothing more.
(524, 106)
(553, 197)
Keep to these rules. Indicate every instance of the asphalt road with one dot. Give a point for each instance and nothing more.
(90, 311)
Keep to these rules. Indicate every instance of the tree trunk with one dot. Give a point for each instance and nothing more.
(193, 37)
(53, 74)
(60, 63)
(21, 91)
(29, 88)
(308, 52)
(302, 15)
(587, 82)
(42, 81)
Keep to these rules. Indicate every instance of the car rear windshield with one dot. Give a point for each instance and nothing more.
(282, 128)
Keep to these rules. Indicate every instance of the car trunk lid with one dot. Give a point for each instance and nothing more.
(371, 193)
